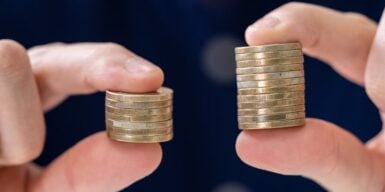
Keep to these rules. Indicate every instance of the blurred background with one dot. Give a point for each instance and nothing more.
(192, 41)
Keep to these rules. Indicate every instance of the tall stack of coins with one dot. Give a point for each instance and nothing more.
(271, 86)
(140, 118)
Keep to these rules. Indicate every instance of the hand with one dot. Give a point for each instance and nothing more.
(38, 80)
(320, 150)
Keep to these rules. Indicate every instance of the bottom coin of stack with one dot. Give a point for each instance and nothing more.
(140, 118)
(270, 81)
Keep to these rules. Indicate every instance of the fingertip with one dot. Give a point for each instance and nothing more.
(254, 149)
(292, 21)
(262, 31)
(148, 156)
(142, 83)
(249, 35)
(138, 159)
(120, 164)
(135, 76)
(145, 76)
(242, 148)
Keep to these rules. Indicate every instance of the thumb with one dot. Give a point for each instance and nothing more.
(99, 164)
(319, 150)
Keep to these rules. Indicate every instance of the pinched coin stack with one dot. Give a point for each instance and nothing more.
(140, 118)
(271, 86)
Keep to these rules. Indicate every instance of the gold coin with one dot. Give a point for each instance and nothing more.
(273, 124)
(269, 69)
(139, 112)
(271, 110)
(266, 118)
(273, 103)
(161, 94)
(140, 139)
(138, 105)
(136, 125)
(256, 91)
(268, 48)
(272, 61)
(272, 96)
(270, 83)
(145, 118)
(147, 132)
(265, 55)
(267, 76)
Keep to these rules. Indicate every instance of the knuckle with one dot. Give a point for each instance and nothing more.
(13, 57)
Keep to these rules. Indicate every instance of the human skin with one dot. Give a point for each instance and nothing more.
(46, 75)
(39, 79)
(352, 45)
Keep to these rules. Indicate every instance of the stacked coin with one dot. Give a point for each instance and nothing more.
(270, 81)
(140, 118)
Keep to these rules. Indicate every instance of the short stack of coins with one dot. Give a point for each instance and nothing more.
(271, 86)
(139, 118)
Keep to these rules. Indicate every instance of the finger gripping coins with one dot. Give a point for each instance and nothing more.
(271, 86)
(139, 118)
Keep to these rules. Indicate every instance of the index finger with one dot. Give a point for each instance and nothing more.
(83, 68)
(342, 40)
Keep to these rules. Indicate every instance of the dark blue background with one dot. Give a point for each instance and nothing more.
(173, 35)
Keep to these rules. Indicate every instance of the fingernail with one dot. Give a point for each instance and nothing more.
(139, 65)
(265, 23)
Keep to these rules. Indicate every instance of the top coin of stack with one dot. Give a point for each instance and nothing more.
(140, 118)
(270, 81)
